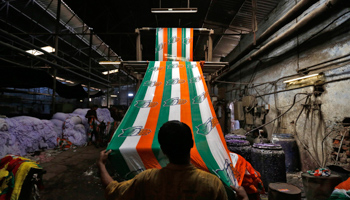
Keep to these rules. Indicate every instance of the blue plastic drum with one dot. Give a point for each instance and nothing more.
(241, 147)
(269, 160)
(291, 151)
(235, 137)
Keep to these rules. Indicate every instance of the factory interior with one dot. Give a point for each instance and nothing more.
(262, 79)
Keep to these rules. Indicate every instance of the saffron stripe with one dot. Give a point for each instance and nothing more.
(165, 44)
(179, 44)
(145, 143)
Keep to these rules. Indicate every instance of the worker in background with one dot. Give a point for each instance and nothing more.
(117, 117)
(178, 180)
(93, 129)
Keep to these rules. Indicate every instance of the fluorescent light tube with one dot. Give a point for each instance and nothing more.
(174, 10)
(110, 71)
(37, 52)
(300, 78)
(109, 62)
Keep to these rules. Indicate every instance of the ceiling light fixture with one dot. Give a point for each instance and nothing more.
(174, 10)
(110, 71)
(296, 79)
(109, 62)
(37, 52)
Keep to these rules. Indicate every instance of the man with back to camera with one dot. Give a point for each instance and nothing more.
(178, 180)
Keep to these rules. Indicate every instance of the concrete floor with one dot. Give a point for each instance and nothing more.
(72, 174)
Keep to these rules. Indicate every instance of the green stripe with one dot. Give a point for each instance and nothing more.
(170, 45)
(205, 152)
(117, 159)
(157, 45)
(163, 116)
(200, 140)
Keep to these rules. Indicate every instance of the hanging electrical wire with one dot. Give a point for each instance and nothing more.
(294, 100)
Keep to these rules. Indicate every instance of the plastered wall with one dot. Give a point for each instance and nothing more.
(313, 122)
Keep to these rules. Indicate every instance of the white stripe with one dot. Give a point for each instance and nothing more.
(128, 148)
(188, 35)
(160, 41)
(174, 111)
(213, 139)
(174, 45)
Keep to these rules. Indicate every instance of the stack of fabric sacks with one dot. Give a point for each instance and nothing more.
(73, 126)
(22, 135)
(70, 126)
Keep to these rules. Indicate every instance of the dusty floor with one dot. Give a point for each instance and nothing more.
(72, 175)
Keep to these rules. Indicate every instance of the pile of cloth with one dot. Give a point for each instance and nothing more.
(73, 126)
(22, 135)
(320, 172)
(13, 172)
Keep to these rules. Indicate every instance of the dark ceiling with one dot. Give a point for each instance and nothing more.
(26, 24)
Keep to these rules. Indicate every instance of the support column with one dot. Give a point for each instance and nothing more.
(138, 45)
(58, 16)
(90, 54)
(210, 45)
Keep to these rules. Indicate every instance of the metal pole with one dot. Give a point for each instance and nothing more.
(210, 45)
(108, 91)
(49, 55)
(90, 53)
(138, 45)
(58, 16)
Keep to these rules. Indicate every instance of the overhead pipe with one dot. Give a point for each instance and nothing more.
(49, 54)
(293, 13)
(49, 62)
(296, 28)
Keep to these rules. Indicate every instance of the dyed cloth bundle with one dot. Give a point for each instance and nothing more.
(23, 134)
(74, 126)
(341, 191)
(172, 91)
(13, 171)
(320, 172)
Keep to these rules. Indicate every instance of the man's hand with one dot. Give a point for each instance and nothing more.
(240, 192)
(101, 162)
(103, 157)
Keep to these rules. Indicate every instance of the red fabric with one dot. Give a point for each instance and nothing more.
(344, 185)
(4, 161)
(252, 182)
(248, 177)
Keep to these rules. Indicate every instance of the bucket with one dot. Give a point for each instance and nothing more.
(269, 160)
(241, 147)
(319, 187)
(285, 191)
(291, 151)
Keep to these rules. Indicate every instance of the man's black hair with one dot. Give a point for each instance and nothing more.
(175, 138)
